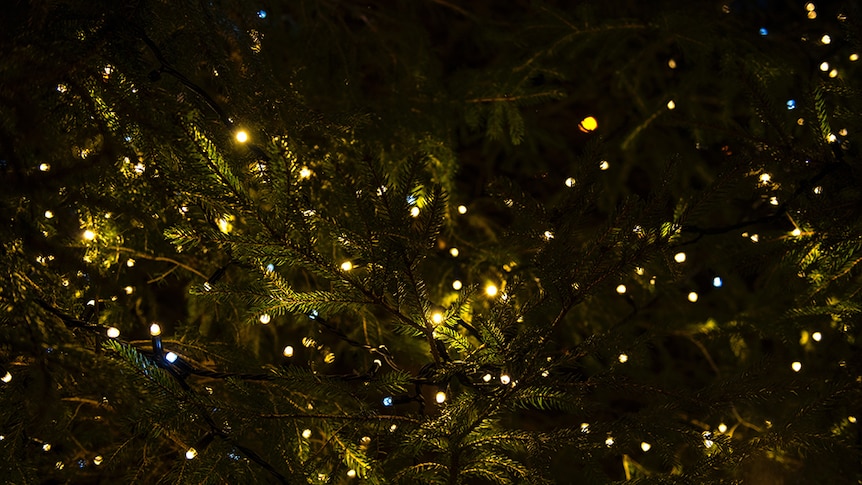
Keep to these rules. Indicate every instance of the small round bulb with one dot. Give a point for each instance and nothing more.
(679, 257)
(457, 285)
(588, 124)
(288, 351)
(645, 446)
(191, 454)
(113, 332)
(491, 290)
(155, 330)
(7, 377)
(265, 318)
(440, 397)
(171, 357)
(242, 136)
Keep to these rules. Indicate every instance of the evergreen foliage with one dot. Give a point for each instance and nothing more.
(383, 242)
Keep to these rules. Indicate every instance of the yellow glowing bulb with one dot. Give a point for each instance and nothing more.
(351, 473)
(809, 7)
(265, 318)
(7, 377)
(242, 136)
(306, 433)
(765, 178)
(414, 211)
(796, 366)
(826, 39)
(722, 428)
(346, 266)
(645, 446)
(191, 454)
(604, 165)
(46, 447)
(440, 397)
(679, 257)
(854, 57)
(288, 351)
(692, 297)
(129, 290)
(609, 442)
(89, 235)
(621, 289)
(671, 64)
(852, 419)
(796, 232)
(671, 104)
(113, 332)
(454, 252)
(570, 182)
(304, 172)
(824, 66)
(44, 167)
(491, 290)
(817, 336)
(436, 317)
(588, 124)
(505, 380)
(457, 285)
(833, 73)
(623, 358)
(462, 209)
(812, 15)
(97, 460)
(49, 215)
(155, 330)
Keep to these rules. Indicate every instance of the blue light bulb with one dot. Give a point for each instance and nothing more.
(261, 14)
(387, 401)
(716, 282)
(791, 104)
(763, 31)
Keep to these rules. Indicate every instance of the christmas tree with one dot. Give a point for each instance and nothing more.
(430, 241)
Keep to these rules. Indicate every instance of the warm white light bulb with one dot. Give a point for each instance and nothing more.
(722, 428)
(288, 351)
(46, 447)
(113, 332)
(44, 167)
(414, 211)
(457, 285)
(351, 473)
(824, 66)
(854, 57)
(621, 289)
(679, 257)
(610, 441)
(304, 172)
(97, 460)
(89, 235)
(462, 209)
(191, 454)
(604, 165)
(692, 297)
(671, 105)
(49, 215)
(487, 377)
(645, 446)
(7, 377)
(306, 433)
(454, 252)
(817, 336)
(570, 182)
(440, 397)
(505, 379)
(155, 330)
(796, 366)
(242, 136)
(129, 290)
(623, 358)
(826, 39)
(436, 318)
(346, 266)
(491, 290)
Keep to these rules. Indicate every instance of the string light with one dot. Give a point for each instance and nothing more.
(796, 366)
(130, 262)
(49, 215)
(155, 330)
(454, 252)
(854, 57)
(440, 397)
(304, 173)
(645, 446)
(487, 377)
(462, 209)
(826, 39)
(796, 232)
(288, 351)
(97, 460)
(89, 235)
(113, 332)
(692, 297)
(491, 290)
(505, 379)
(852, 419)
(621, 289)
(191, 454)
(722, 428)
(671, 105)
(46, 447)
(242, 136)
(351, 473)
(817, 336)
(171, 357)
(44, 167)
(346, 266)
(604, 165)
(436, 318)
(717, 282)
(129, 290)
(824, 66)
(763, 31)
(610, 441)
(570, 182)
(588, 124)
(457, 285)
(791, 104)
(7, 377)
(679, 257)
(623, 358)
(833, 74)
(414, 211)
(585, 428)
(671, 64)
(306, 433)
